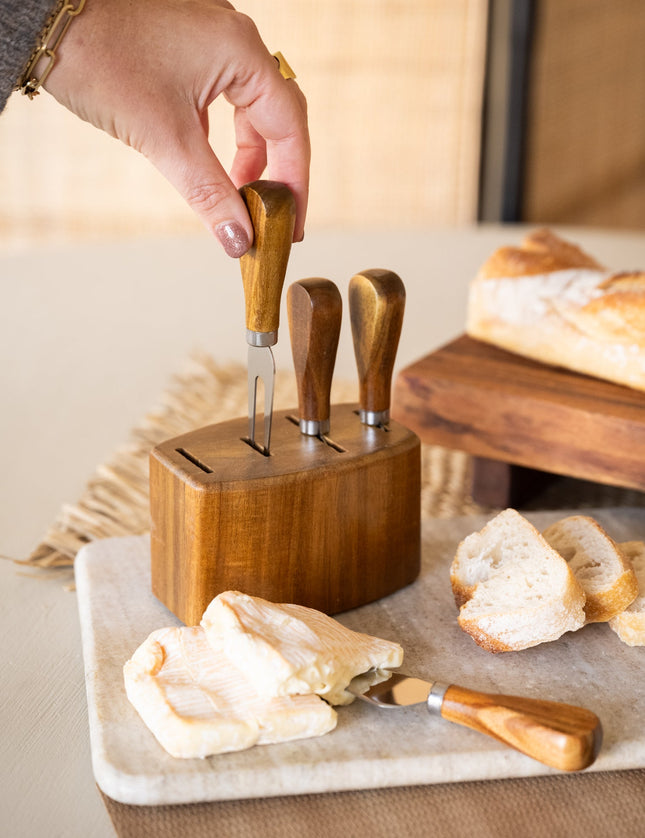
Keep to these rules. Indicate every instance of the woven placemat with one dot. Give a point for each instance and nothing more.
(576, 806)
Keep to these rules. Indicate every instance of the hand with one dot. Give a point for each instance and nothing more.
(146, 71)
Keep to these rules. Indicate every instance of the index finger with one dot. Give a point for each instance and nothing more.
(273, 127)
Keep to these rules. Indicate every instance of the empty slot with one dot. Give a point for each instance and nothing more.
(334, 445)
(194, 460)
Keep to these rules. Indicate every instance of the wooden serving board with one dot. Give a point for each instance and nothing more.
(474, 397)
(371, 747)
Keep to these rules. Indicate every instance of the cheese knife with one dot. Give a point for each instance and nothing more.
(376, 305)
(559, 735)
(272, 209)
(315, 308)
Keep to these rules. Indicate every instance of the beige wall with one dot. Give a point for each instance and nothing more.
(394, 90)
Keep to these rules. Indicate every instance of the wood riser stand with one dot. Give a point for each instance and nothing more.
(311, 524)
(524, 422)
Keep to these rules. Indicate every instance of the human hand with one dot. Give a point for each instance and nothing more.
(146, 71)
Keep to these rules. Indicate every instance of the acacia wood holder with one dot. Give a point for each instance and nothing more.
(310, 524)
(524, 422)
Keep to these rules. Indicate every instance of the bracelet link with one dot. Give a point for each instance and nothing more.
(31, 80)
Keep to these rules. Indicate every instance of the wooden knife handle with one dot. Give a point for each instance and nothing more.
(315, 309)
(376, 305)
(272, 209)
(559, 735)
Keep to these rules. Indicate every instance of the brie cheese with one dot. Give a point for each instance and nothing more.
(197, 703)
(291, 649)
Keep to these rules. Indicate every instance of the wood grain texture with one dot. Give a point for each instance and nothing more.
(376, 306)
(490, 403)
(560, 735)
(315, 309)
(273, 212)
(308, 524)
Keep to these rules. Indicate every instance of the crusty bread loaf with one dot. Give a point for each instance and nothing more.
(606, 576)
(550, 301)
(629, 625)
(515, 591)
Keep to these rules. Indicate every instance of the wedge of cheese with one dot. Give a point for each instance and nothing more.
(291, 649)
(196, 702)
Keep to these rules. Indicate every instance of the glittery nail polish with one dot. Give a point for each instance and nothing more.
(233, 238)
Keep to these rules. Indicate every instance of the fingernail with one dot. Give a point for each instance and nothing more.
(233, 239)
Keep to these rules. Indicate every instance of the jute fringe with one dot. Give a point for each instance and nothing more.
(115, 500)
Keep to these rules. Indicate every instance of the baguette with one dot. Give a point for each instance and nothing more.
(514, 590)
(550, 301)
(630, 624)
(606, 576)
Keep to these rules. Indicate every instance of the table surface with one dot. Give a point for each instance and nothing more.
(90, 335)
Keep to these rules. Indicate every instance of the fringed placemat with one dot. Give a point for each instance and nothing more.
(115, 500)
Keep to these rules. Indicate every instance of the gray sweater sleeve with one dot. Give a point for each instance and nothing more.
(20, 25)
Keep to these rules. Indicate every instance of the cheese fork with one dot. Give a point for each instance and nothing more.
(559, 735)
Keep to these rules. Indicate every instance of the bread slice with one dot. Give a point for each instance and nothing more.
(629, 625)
(516, 591)
(606, 576)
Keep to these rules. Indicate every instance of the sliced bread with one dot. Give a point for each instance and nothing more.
(629, 625)
(606, 576)
(514, 589)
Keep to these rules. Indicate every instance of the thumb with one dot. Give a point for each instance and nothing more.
(192, 167)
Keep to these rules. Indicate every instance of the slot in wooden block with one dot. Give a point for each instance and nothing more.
(327, 528)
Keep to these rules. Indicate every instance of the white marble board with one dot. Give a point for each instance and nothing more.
(370, 747)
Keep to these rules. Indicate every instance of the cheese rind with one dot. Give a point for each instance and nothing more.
(197, 703)
(291, 649)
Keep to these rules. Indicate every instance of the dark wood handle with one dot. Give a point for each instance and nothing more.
(315, 310)
(376, 305)
(273, 213)
(559, 735)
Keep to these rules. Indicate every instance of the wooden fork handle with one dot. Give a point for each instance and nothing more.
(559, 735)
(272, 209)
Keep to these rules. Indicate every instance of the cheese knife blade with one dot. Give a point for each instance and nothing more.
(562, 736)
(376, 306)
(271, 207)
(315, 308)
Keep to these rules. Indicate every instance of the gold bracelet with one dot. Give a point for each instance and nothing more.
(48, 43)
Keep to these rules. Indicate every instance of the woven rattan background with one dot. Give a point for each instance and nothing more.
(394, 90)
(585, 140)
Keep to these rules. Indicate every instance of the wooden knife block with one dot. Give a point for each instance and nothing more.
(330, 527)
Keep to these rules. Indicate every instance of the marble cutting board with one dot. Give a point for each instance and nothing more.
(370, 747)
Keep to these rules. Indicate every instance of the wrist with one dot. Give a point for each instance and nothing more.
(43, 56)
